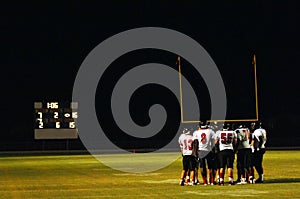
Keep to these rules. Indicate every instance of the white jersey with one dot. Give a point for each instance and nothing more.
(225, 139)
(205, 138)
(185, 142)
(243, 137)
(260, 132)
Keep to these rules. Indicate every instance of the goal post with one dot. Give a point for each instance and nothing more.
(218, 120)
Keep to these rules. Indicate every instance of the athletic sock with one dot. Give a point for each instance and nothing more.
(212, 179)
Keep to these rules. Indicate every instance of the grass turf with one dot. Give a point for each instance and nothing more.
(82, 176)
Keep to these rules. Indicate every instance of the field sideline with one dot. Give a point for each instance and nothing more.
(82, 176)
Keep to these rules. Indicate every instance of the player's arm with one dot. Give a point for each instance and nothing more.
(265, 136)
(238, 137)
(260, 141)
(212, 140)
(195, 145)
(248, 135)
(217, 143)
(235, 145)
(181, 148)
(235, 142)
(217, 138)
(180, 144)
(252, 143)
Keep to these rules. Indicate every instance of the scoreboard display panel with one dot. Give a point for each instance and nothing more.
(55, 120)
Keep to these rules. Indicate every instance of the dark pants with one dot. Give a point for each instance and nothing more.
(226, 158)
(243, 159)
(188, 162)
(207, 160)
(257, 159)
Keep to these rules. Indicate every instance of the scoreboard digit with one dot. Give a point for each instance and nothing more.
(55, 120)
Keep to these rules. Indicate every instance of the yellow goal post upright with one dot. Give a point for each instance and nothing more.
(218, 120)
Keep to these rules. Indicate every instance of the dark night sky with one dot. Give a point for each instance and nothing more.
(44, 44)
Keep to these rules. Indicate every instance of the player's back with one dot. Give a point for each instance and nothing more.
(260, 132)
(243, 135)
(264, 137)
(226, 139)
(205, 138)
(186, 144)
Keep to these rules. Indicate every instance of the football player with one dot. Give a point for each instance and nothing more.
(251, 179)
(259, 139)
(195, 154)
(188, 161)
(227, 140)
(205, 140)
(215, 150)
(243, 154)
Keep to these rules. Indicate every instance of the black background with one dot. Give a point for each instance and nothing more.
(43, 45)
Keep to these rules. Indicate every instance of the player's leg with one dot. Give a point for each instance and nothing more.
(238, 166)
(229, 163)
(187, 177)
(194, 167)
(203, 170)
(192, 182)
(211, 167)
(244, 165)
(221, 167)
(182, 177)
(191, 167)
(259, 166)
(196, 173)
(247, 164)
(216, 151)
(217, 168)
(183, 171)
(247, 168)
(252, 164)
(230, 176)
(257, 162)
(217, 174)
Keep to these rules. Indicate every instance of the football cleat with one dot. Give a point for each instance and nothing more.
(181, 183)
(230, 183)
(221, 183)
(259, 181)
(251, 180)
(243, 181)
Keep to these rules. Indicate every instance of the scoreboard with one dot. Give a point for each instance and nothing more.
(55, 120)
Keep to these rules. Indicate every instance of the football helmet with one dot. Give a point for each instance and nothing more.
(226, 126)
(186, 131)
(203, 124)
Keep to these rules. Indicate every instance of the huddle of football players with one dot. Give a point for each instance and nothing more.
(213, 150)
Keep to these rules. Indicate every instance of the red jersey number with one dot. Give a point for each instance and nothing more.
(226, 138)
(188, 144)
(203, 138)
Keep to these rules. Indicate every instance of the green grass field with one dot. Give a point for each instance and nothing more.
(82, 176)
